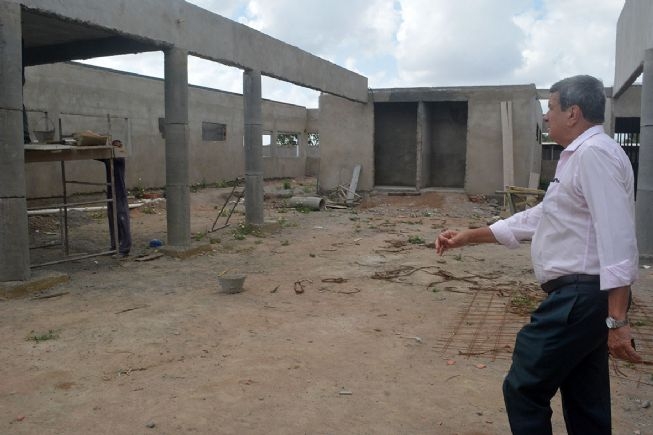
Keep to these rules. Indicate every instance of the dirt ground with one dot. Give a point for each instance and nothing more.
(348, 324)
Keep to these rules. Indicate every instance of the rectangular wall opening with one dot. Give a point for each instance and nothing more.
(445, 144)
(395, 138)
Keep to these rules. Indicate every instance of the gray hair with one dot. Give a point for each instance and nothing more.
(584, 91)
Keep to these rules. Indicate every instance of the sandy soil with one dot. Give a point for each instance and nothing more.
(348, 323)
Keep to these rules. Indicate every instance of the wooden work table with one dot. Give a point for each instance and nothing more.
(54, 152)
(36, 153)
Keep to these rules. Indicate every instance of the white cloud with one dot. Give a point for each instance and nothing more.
(464, 42)
(340, 27)
(570, 37)
(408, 43)
(226, 8)
(214, 75)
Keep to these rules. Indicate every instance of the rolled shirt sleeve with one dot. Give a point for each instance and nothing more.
(520, 226)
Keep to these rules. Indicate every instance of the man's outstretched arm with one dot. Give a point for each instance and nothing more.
(455, 239)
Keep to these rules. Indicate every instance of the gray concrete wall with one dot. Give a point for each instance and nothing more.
(447, 129)
(210, 36)
(285, 161)
(84, 96)
(634, 36)
(484, 138)
(395, 144)
(629, 103)
(346, 139)
(424, 141)
(483, 168)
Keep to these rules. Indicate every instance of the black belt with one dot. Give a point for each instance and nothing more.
(578, 278)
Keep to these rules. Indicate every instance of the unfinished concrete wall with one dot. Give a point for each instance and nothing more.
(131, 108)
(285, 161)
(484, 172)
(346, 140)
(313, 150)
(395, 144)
(629, 103)
(447, 129)
(458, 140)
(634, 36)
(424, 148)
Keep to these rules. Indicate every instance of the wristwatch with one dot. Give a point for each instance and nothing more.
(614, 323)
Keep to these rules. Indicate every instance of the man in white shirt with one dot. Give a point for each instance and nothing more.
(584, 254)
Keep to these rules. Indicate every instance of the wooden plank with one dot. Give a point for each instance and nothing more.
(506, 135)
(351, 193)
(51, 153)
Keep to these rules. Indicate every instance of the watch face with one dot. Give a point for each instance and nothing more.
(612, 323)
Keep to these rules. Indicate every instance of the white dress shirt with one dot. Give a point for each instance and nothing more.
(586, 222)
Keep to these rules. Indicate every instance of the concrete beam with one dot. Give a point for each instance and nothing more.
(634, 37)
(14, 235)
(210, 36)
(87, 49)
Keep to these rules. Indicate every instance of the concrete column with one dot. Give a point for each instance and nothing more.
(14, 233)
(419, 146)
(253, 147)
(177, 147)
(274, 148)
(644, 205)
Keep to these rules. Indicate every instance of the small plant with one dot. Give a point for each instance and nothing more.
(244, 229)
(97, 215)
(198, 186)
(286, 184)
(302, 209)
(523, 303)
(458, 257)
(50, 335)
(138, 192)
(416, 240)
(148, 209)
(198, 236)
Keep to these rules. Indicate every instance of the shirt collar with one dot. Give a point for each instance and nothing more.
(592, 131)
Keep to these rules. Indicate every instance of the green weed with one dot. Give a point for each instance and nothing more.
(243, 230)
(50, 335)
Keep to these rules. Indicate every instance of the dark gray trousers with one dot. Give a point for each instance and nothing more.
(122, 205)
(563, 347)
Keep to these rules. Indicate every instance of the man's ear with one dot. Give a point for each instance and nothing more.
(574, 114)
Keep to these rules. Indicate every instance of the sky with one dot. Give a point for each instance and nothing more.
(417, 43)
